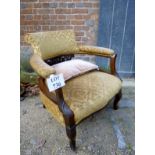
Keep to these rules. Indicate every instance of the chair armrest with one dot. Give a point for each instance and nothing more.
(95, 50)
(39, 66)
(101, 51)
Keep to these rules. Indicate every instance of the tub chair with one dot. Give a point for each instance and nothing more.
(86, 90)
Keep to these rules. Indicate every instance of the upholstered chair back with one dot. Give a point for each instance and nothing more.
(52, 43)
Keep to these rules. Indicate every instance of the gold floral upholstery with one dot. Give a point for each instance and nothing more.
(52, 43)
(43, 69)
(95, 50)
(85, 95)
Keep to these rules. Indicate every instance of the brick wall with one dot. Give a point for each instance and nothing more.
(45, 15)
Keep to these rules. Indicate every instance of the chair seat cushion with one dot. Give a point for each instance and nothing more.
(86, 94)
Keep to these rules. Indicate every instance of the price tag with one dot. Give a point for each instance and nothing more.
(55, 81)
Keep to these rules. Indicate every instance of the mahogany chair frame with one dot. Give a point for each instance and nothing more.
(68, 114)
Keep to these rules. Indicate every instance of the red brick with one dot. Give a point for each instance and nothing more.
(77, 33)
(26, 5)
(64, 0)
(78, 28)
(22, 32)
(53, 16)
(52, 27)
(61, 16)
(63, 11)
(96, 5)
(29, 0)
(26, 11)
(43, 11)
(45, 17)
(62, 22)
(45, 5)
(36, 27)
(37, 5)
(45, 22)
(70, 17)
(44, 1)
(45, 27)
(78, 17)
(88, 5)
(86, 16)
(69, 27)
(77, 22)
(22, 17)
(75, 0)
(79, 11)
(37, 17)
(63, 5)
(61, 27)
(28, 17)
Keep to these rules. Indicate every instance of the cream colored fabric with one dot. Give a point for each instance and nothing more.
(52, 43)
(73, 68)
(85, 94)
(43, 69)
(95, 50)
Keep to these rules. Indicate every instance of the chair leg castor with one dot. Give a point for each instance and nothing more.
(117, 99)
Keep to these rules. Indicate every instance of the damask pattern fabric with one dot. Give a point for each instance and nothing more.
(85, 95)
(52, 43)
(95, 49)
(43, 69)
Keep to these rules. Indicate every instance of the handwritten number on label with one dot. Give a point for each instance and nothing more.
(55, 81)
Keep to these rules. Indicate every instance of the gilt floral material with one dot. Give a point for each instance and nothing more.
(95, 50)
(85, 95)
(52, 43)
(43, 69)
